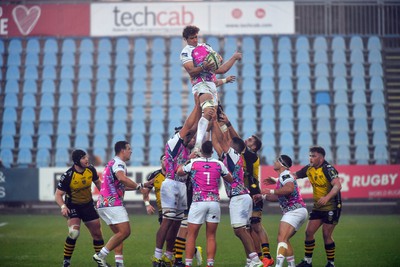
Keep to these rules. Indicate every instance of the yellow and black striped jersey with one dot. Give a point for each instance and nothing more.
(321, 181)
(77, 186)
(251, 166)
(158, 177)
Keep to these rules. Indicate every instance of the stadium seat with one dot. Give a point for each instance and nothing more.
(138, 112)
(25, 141)
(267, 70)
(232, 112)
(321, 84)
(356, 56)
(303, 70)
(27, 128)
(15, 46)
(66, 86)
(379, 124)
(356, 43)
(381, 154)
(119, 126)
(65, 100)
(322, 98)
(284, 56)
(285, 70)
(139, 58)
(7, 141)
(324, 139)
(302, 44)
(287, 150)
(266, 56)
(323, 125)
(120, 99)
(121, 85)
(320, 56)
(137, 157)
(104, 58)
(6, 156)
(63, 141)
(62, 157)
(284, 43)
(104, 45)
(323, 111)
(156, 140)
(286, 139)
(48, 86)
(342, 138)
(138, 126)
(338, 43)
(303, 84)
(249, 71)
(267, 111)
(305, 139)
(8, 128)
(374, 43)
(339, 70)
(102, 100)
(378, 111)
(342, 124)
(13, 73)
(43, 158)
(85, 72)
(359, 97)
(343, 156)
(361, 154)
(230, 45)
(83, 113)
(302, 57)
(68, 59)
(120, 113)
(28, 114)
(67, 72)
(358, 83)
(304, 111)
(230, 97)
(122, 44)
(269, 153)
(101, 113)
(379, 138)
(249, 112)
(360, 111)
(100, 141)
(361, 138)
(375, 56)
(249, 98)
(24, 158)
(376, 83)
(286, 125)
(12, 86)
(340, 97)
(137, 141)
(158, 57)
(357, 70)
(32, 58)
(82, 127)
(47, 100)
(50, 45)
(340, 83)
(338, 56)
(44, 141)
(11, 100)
(86, 58)
(154, 156)
(140, 44)
(101, 127)
(45, 127)
(103, 72)
(375, 69)
(267, 84)
(86, 45)
(285, 97)
(31, 72)
(103, 85)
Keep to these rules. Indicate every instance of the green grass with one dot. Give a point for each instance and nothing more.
(37, 240)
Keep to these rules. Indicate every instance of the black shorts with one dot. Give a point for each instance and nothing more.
(328, 217)
(85, 212)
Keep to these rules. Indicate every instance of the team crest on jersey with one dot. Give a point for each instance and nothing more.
(284, 177)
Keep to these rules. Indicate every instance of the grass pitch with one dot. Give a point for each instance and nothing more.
(37, 240)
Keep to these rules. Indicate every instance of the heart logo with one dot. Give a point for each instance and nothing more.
(25, 18)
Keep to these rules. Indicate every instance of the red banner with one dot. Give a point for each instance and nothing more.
(48, 19)
(358, 181)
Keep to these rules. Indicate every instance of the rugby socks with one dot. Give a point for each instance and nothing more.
(330, 252)
(158, 253)
(69, 247)
(308, 250)
(179, 248)
(188, 262)
(265, 250)
(103, 253)
(201, 131)
(98, 245)
(290, 261)
(279, 260)
(210, 262)
(119, 259)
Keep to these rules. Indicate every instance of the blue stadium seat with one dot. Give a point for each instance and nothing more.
(123, 44)
(356, 56)
(159, 44)
(137, 157)
(27, 128)
(360, 111)
(338, 43)
(13, 73)
(339, 83)
(266, 43)
(175, 71)
(304, 97)
(102, 153)
(62, 157)
(103, 85)
(285, 83)
(357, 70)
(140, 44)
(119, 126)
(230, 45)
(374, 43)
(232, 112)
(83, 113)
(302, 44)
(249, 112)
(25, 141)
(158, 57)
(285, 70)
(361, 154)
(267, 97)
(104, 45)
(102, 99)
(139, 71)
(268, 138)
(360, 124)
(211, 40)
(375, 69)
(11, 100)
(175, 112)
(343, 156)
(43, 158)
(156, 113)
(101, 113)
(286, 139)
(303, 70)
(381, 155)
(121, 85)
(67, 72)
(376, 83)
(304, 124)
(45, 127)
(340, 97)
(231, 97)
(85, 72)
(138, 141)
(44, 141)
(68, 59)
(46, 114)
(12, 86)
(339, 70)
(267, 70)
(101, 127)
(303, 83)
(338, 56)
(156, 140)
(100, 141)
(378, 111)
(322, 98)
(86, 45)
(321, 84)
(48, 86)
(268, 124)
(323, 111)
(321, 56)
(284, 56)
(269, 153)
(324, 139)
(249, 84)
(358, 83)
(32, 58)
(138, 126)
(84, 85)
(65, 100)
(249, 71)
(28, 100)
(24, 158)
(68, 45)
(267, 84)
(266, 56)
(49, 59)
(63, 141)
(356, 43)
(8, 128)
(284, 43)
(285, 97)
(359, 97)
(28, 114)
(302, 57)
(139, 99)
(154, 156)
(14, 60)
(342, 124)
(120, 99)
(249, 98)
(305, 139)
(286, 125)
(6, 156)
(82, 127)
(321, 70)
(120, 113)
(360, 138)
(158, 71)
(138, 112)
(379, 124)
(248, 43)
(304, 111)
(375, 56)
(286, 111)
(157, 98)
(66, 86)
(323, 125)
(31, 72)
(103, 72)
(268, 111)
(50, 45)
(138, 58)
(84, 99)
(342, 138)
(15, 46)
(104, 58)
(86, 58)
(47, 100)
(379, 138)
(7, 141)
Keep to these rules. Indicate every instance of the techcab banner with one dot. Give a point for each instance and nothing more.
(358, 181)
(261, 17)
(45, 20)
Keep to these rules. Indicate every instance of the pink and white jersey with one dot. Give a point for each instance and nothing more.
(292, 201)
(112, 190)
(234, 163)
(176, 154)
(197, 58)
(205, 174)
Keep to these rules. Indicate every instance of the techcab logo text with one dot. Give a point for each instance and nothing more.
(123, 19)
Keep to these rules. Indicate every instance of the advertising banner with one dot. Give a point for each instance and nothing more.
(217, 18)
(19, 184)
(44, 20)
(358, 181)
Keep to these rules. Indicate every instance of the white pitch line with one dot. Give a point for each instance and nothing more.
(3, 224)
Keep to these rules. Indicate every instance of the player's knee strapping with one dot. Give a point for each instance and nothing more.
(184, 222)
(281, 248)
(172, 214)
(209, 103)
(73, 231)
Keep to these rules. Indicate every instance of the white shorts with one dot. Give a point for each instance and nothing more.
(240, 209)
(113, 215)
(296, 217)
(207, 88)
(205, 211)
(173, 195)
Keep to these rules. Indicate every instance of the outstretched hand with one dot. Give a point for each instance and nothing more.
(269, 181)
